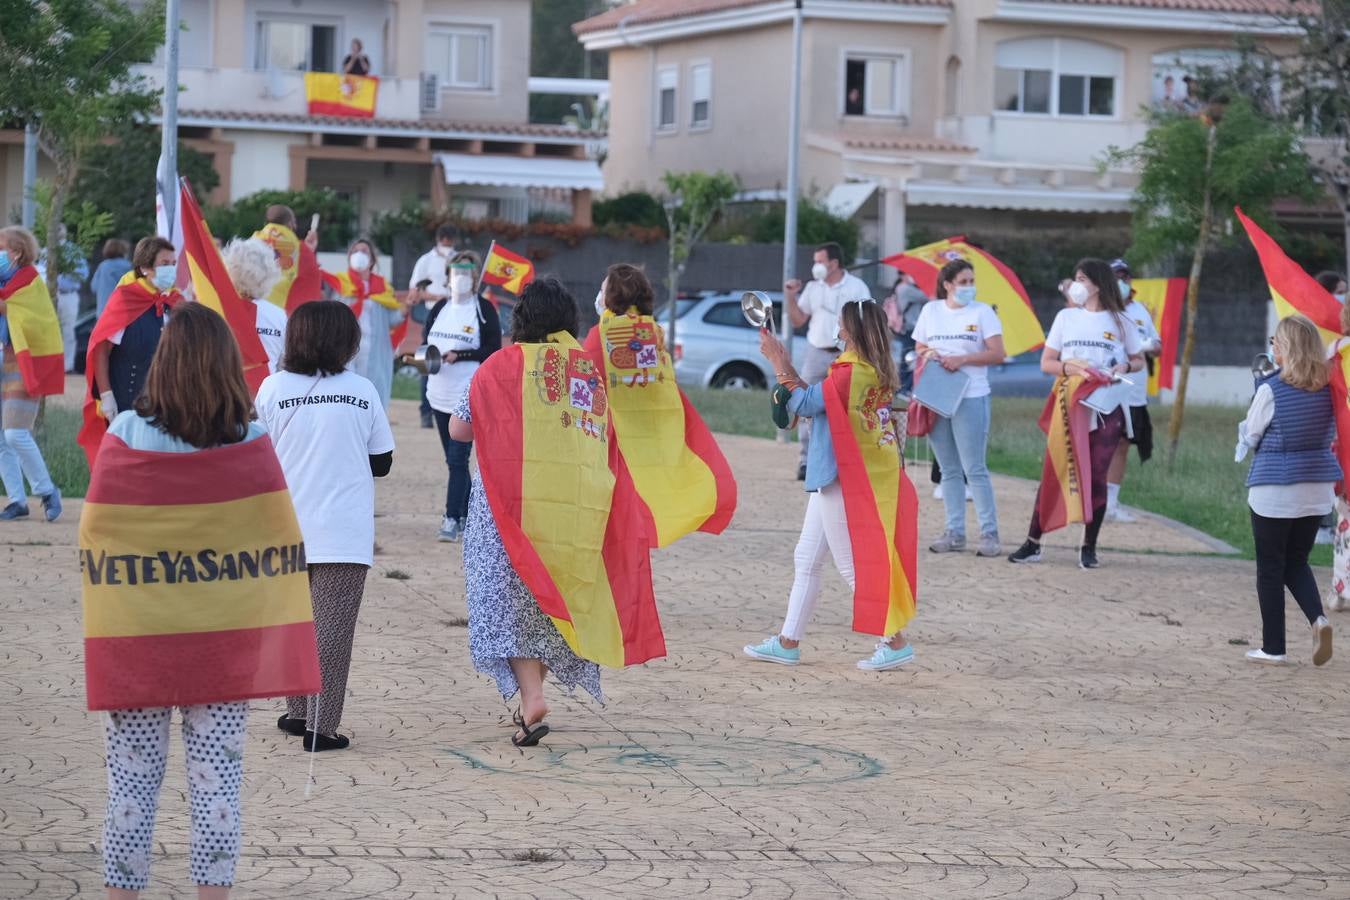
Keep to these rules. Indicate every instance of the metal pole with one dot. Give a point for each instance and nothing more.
(30, 167)
(794, 139)
(168, 147)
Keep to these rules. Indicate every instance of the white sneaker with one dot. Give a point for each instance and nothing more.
(1335, 602)
(1321, 630)
(970, 495)
(1325, 536)
(1121, 514)
(1261, 656)
(450, 530)
(937, 492)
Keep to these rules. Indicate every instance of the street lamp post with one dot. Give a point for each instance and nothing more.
(167, 174)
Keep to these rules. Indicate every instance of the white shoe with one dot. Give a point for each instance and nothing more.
(1261, 656)
(970, 495)
(937, 492)
(1335, 602)
(1325, 536)
(1121, 514)
(1321, 630)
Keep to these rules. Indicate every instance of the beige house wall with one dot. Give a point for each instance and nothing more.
(508, 99)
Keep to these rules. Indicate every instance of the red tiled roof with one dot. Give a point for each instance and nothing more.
(1250, 7)
(487, 130)
(921, 144)
(645, 12)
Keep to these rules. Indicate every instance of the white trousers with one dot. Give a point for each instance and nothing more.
(825, 530)
(67, 311)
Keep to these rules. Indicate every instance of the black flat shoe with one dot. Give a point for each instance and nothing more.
(293, 727)
(1087, 558)
(318, 743)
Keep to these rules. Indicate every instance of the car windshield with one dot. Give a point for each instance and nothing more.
(682, 307)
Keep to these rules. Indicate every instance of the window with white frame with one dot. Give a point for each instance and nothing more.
(667, 81)
(876, 84)
(296, 45)
(1057, 76)
(700, 95)
(461, 56)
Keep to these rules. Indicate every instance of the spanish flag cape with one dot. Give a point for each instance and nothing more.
(880, 503)
(569, 515)
(301, 280)
(35, 333)
(681, 475)
(1065, 495)
(349, 284)
(132, 297)
(194, 581)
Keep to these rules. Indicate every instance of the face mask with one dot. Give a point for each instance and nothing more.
(819, 271)
(444, 251)
(461, 284)
(1124, 287)
(965, 294)
(6, 264)
(599, 303)
(360, 260)
(1340, 298)
(165, 276)
(1078, 293)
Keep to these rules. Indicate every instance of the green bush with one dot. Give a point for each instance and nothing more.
(815, 225)
(337, 217)
(633, 208)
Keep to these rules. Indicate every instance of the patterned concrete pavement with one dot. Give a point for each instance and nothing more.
(1061, 733)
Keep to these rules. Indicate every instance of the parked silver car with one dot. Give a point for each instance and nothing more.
(715, 347)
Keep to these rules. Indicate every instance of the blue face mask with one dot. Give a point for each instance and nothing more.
(7, 266)
(965, 295)
(1125, 289)
(165, 276)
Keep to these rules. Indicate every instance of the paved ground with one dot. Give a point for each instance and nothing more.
(1061, 733)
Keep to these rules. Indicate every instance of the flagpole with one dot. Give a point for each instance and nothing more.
(168, 146)
(482, 270)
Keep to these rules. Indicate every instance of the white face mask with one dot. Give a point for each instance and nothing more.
(1340, 298)
(819, 271)
(599, 302)
(1078, 293)
(461, 285)
(360, 260)
(443, 250)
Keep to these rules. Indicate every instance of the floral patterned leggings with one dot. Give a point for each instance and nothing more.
(1340, 565)
(138, 750)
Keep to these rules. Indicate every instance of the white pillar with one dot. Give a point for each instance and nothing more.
(892, 227)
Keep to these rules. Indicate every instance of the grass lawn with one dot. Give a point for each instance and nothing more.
(65, 460)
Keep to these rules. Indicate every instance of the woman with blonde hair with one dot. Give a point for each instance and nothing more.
(1291, 484)
(252, 266)
(377, 311)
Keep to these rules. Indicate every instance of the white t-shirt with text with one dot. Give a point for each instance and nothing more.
(959, 331)
(824, 303)
(1101, 339)
(325, 430)
(457, 328)
(1142, 320)
(271, 331)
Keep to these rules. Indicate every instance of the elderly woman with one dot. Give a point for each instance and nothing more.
(253, 268)
(377, 311)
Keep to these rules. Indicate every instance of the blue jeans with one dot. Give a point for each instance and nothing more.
(959, 445)
(457, 461)
(20, 456)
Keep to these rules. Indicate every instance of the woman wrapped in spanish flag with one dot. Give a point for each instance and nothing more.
(684, 480)
(377, 311)
(558, 577)
(862, 510)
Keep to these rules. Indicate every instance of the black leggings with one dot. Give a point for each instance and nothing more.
(1282, 548)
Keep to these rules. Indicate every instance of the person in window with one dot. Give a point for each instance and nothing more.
(853, 102)
(356, 62)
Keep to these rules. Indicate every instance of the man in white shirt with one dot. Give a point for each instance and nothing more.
(820, 303)
(1141, 425)
(430, 283)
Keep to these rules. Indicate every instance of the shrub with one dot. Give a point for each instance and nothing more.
(337, 217)
(633, 208)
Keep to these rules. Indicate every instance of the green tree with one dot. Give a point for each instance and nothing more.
(337, 217)
(694, 201)
(119, 176)
(1193, 171)
(69, 72)
(815, 225)
(556, 53)
(631, 208)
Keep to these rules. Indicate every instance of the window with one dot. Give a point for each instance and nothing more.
(1178, 76)
(876, 84)
(729, 314)
(665, 98)
(700, 95)
(461, 56)
(1056, 76)
(296, 45)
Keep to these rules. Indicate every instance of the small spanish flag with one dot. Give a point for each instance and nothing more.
(506, 269)
(334, 94)
(1292, 289)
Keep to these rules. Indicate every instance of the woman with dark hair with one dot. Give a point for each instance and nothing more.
(960, 334)
(467, 330)
(555, 554)
(1333, 283)
(1090, 344)
(333, 439)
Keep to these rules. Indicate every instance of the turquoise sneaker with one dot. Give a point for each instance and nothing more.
(771, 650)
(886, 658)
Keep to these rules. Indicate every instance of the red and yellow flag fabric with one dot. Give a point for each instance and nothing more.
(301, 279)
(1163, 298)
(569, 515)
(506, 269)
(350, 284)
(194, 581)
(212, 287)
(1340, 396)
(34, 333)
(997, 285)
(336, 94)
(1065, 494)
(682, 476)
(1292, 289)
(880, 502)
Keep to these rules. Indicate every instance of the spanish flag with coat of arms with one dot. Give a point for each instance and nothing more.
(506, 269)
(337, 94)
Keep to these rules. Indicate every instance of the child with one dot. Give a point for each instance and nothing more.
(1291, 483)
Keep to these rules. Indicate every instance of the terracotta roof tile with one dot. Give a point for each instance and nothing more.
(645, 12)
(1250, 7)
(487, 130)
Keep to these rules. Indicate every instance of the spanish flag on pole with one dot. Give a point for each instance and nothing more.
(995, 283)
(684, 480)
(1292, 289)
(301, 279)
(569, 516)
(35, 333)
(880, 503)
(212, 287)
(194, 580)
(506, 269)
(1065, 494)
(1163, 298)
(335, 94)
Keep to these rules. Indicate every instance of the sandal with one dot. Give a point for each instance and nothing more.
(531, 735)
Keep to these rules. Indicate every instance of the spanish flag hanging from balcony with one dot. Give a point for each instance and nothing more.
(880, 503)
(1163, 298)
(35, 333)
(194, 581)
(506, 269)
(569, 516)
(1292, 289)
(335, 94)
(995, 284)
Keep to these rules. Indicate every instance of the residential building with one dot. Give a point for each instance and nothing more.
(956, 114)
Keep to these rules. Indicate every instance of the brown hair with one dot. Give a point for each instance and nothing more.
(195, 389)
(321, 338)
(280, 214)
(949, 273)
(869, 337)
(1303, 362)
(627, 285)
(115, 248)
(23, 247)
(147, 248)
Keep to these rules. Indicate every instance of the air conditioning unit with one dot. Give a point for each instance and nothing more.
(431, 92)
